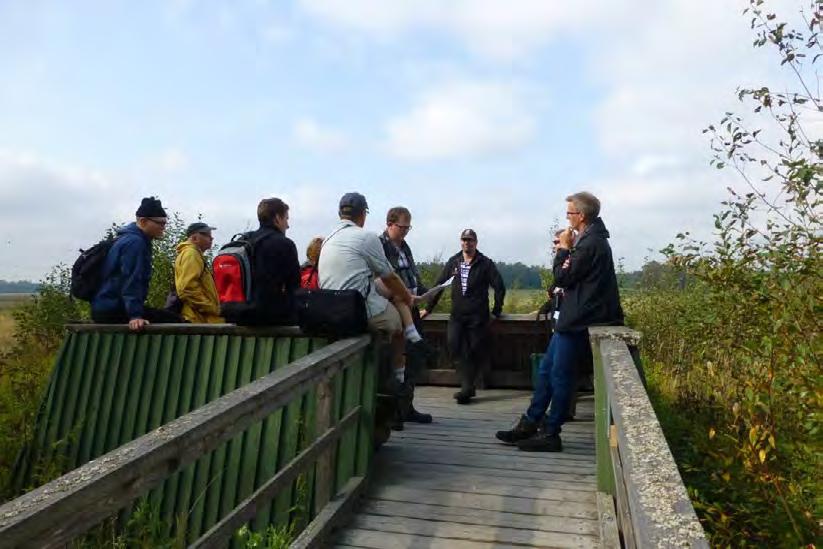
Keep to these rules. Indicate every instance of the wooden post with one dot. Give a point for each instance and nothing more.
(602, 424)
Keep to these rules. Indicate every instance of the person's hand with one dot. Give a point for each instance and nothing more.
(566, 239)
(423, 313)
(136, 324)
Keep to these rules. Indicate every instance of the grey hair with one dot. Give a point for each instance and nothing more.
(586, 203)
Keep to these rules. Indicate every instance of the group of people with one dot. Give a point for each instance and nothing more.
(383, 270)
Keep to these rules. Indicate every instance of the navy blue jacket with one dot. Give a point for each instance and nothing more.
(126, 274)
(590, 294)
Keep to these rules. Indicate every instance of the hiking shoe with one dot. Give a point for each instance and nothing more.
(464, 396)
(417, 417)
(524, 429)
(541, 442)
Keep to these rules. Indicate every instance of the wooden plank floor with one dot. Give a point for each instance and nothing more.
(452, 485)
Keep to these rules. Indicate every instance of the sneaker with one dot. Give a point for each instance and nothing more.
(417, 417)
(541, 442)
(463, 396)
(524, 429)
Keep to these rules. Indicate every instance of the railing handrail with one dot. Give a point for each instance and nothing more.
(65, 507)
(188, 329)
(649, 486)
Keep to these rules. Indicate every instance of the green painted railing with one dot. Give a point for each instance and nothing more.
(215, 423)
(646, 503)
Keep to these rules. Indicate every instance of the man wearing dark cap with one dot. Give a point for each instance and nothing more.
(472, 274)
(351, 259)
(193, 280)
(127, 272)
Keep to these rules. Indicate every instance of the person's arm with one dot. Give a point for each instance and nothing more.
(571, 267)
(135, 287)
(292, 265)
(188, 270)
(441, 278)
(496, 282)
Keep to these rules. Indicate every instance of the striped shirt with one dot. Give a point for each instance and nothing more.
(464, 275)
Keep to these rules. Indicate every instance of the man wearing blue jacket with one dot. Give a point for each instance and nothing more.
(127, 272)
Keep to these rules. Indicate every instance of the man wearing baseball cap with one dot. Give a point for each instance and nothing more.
(193, 280)
(472, 275)
(352, 258)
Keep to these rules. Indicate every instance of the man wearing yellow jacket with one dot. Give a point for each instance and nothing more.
(193, 279)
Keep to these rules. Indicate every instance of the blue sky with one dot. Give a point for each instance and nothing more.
(479, 113)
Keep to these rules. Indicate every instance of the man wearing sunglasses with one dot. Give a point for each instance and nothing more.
(472, 275)
(127, 272)
(193, 280)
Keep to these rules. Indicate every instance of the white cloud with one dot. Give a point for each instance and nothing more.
(172, 160)
(462, 118)
(311, 135)
(491, 28)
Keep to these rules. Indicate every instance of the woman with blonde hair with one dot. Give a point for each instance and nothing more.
(308, 271)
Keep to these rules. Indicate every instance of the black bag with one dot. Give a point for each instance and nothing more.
(87, 271)
(331, 313)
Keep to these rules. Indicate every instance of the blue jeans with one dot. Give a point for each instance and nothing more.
(557, 379)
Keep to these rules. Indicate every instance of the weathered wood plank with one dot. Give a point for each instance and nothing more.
(496, 448)
(661, 512)
(317, 532)
(506, 474)
(471, 478)
(510, 504)
(609, 536)
(473, 532)
(586, 527)
(353, 537)
(223, 530)
(54, 513)
(549, 464)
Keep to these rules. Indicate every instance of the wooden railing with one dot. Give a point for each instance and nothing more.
(634, 463)
(331, 393)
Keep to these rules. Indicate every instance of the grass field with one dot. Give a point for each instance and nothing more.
(7, 303)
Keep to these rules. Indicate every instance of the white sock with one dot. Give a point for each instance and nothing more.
(400, 374)
(411, 333)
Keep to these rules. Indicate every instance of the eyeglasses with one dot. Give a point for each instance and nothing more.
(572, 213)
(207, 235)
(467, 239)
(403, 227)
(555, 242)
(161, 221)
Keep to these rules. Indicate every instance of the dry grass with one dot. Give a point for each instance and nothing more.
(6, 329)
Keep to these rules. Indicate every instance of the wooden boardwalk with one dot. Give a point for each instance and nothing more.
(452, 485)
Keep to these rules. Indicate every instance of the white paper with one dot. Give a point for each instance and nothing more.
(428, 296)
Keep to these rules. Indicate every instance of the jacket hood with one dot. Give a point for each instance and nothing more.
(185, 244)
(597, 227)
(132, 228)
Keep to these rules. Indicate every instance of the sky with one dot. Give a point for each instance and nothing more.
(471, 113)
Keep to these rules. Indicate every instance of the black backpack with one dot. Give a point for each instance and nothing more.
(87, 271)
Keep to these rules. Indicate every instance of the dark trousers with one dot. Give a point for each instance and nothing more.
(557, 379)
(154, 316)
(468, 337)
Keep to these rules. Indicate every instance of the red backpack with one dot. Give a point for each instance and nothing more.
(233, 269)
(309, 278)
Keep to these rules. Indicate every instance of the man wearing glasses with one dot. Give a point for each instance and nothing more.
(193, 280)
(472, 274)
(584, 268)
(398, 225)
(127, 272)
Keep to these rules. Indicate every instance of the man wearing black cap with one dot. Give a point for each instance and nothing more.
(127, 272)
(472, 275)
(193, 281)
(351, 258)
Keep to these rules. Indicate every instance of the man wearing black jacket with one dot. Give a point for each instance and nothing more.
(275, 272)
(584, 268)
(472, 275)
(398, 225)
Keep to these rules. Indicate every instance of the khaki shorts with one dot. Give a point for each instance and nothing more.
(388, 321)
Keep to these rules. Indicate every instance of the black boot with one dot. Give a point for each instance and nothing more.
(541, 442)
(524, 429)
(464, 396)
(417, 417)
(396, 421)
